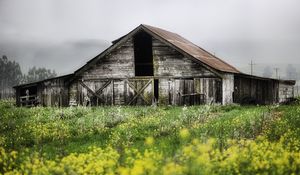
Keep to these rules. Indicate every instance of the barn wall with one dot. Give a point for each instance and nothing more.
(118, 63)
(53, 93)
(115, 72)
(286, 91)
(112, 92)
(169, 62)
(189, 91)
(197, 91)
(255, 91)
(106, 74)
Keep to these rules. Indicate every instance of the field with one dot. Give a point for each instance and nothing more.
(150, 140)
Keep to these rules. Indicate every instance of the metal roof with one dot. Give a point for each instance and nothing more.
(193, 50)
(290, 82)
(40, 81)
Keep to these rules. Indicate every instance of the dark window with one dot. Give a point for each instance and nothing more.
(143, 54)
(32, 90)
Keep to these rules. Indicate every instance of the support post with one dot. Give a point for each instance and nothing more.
(227, 88)
(113, 93)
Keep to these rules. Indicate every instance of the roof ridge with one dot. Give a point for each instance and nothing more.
(146, 25)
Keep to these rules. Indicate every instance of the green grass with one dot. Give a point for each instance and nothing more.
(54, 133)
(74, 129)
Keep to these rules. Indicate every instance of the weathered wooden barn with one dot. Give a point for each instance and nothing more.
(151, 65)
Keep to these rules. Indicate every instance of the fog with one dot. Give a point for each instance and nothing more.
(64, 34)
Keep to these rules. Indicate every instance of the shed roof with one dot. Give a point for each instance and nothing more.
(40, 81)
(289, 82)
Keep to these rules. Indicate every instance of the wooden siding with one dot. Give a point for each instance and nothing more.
(124, 88)
(52, 92)
(195, 91)
(169, 62)
(140, 91)
(255, 91)
(286, 91)
(118, 63)
(112, 92)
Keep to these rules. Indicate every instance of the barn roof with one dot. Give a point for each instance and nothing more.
(174, 40)
(193, 50)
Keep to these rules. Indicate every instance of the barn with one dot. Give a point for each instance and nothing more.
(149, 66)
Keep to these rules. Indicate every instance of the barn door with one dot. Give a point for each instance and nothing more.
(188, 92)
(188, 97)
(139, 91)
(96, 93)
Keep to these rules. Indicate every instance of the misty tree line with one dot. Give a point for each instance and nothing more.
(291, 73)
(11, 75)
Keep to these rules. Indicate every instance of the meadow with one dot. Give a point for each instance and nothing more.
(150, 140)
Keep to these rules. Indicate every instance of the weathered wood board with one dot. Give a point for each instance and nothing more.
(255, 91)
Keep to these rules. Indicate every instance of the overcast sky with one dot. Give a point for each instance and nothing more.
(64, 34)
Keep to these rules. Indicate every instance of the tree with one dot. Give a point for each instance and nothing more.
(10, 75)
(267, 72)
(37, 74)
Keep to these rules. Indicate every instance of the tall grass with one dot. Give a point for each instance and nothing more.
(173, 137)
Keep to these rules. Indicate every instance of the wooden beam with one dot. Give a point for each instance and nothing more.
(153, 91)
(138, 91)
(104, 86)
(149, 77)
(91, 91)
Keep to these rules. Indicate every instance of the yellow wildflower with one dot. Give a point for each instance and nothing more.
(184, 133)
(149, 141)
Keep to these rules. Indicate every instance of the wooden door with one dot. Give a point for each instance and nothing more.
(139, 91)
